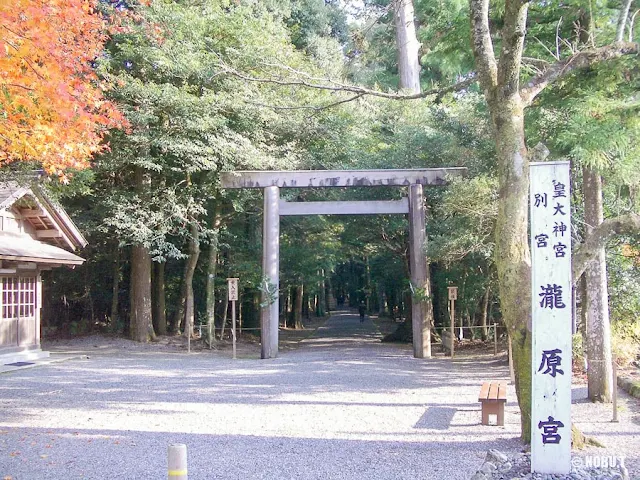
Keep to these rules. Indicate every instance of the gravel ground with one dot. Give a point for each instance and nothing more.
(339, 406)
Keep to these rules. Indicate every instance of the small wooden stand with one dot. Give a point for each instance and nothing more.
(493, 396)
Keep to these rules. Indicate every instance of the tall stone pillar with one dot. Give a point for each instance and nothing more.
(270, 271)
(421, 307)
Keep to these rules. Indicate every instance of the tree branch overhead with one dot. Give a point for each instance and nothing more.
(625, 224)
(305, 81)
(511, 55)
(482, 44)
(578, 61)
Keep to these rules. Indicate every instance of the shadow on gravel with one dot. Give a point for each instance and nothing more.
(437, 418)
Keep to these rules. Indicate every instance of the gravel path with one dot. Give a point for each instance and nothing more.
(339, 406)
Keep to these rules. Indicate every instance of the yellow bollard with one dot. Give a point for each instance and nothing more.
(177, 463)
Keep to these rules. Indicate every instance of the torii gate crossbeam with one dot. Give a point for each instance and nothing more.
(272, 181)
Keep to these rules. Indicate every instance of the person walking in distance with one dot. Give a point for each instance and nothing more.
(362, 308)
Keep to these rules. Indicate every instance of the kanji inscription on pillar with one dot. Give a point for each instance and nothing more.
(550, 241)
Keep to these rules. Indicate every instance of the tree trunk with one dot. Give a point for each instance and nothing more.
(381, 301)
(192, 262)
(598, 345)
(622, 19)
(394, 304)
(286, 312)
(512, 255)
(212, 265)
(89, 297)
(141, 328)
(305, 305)
(132, 311)
(367, 287)
(409, 72)
(115, 289)
(159, 304)
(406, 329)
(250, 309)
(297, 307)
(499, 81)
(583, 310)
(224, 315)
(490, 313)
(321, 296)
(178, 316)
(141, 294)
(582, 327)
(327, 292)
(485, 312)
(407, 46)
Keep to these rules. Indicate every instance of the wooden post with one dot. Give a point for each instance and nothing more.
(239, 317)
(495, 338)
(614, 390)
(453, 296)
(421, 308)
(452, 308)
(270, 265)
(233, 326)
(177, 462)
(38, 308)
(232, 284)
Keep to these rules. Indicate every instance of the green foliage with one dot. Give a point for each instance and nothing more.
(442, 26)
(624, 284)
(577, 351)
(313, 19)
(308, 245)
(172, 73)
(419, 294)
(269, 291)
(189, 120)
(469, 211)
(558, 29)
(591, 117)
(625, 342)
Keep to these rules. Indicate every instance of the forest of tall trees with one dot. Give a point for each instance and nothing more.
(193, 88)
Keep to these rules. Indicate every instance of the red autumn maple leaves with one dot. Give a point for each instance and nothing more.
(52, 107)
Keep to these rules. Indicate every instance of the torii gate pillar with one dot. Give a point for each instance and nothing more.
(421, 306)
(270, 267)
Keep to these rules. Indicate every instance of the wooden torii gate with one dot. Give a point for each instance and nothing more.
(274, 207)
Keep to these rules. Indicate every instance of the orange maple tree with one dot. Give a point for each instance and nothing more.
(52, 105)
